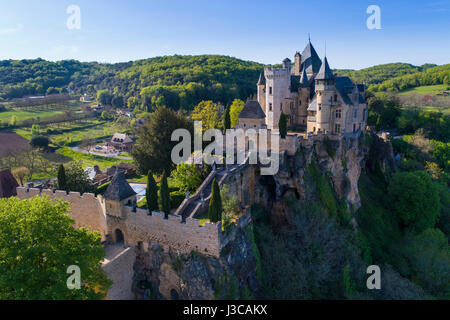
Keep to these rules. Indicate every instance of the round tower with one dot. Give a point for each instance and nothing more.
(325, 89)
(297, 64)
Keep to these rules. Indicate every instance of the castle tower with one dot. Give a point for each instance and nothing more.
(278, 81)
(118, 195)
(303, 98)
(325, 89)
(297, 64)
(262, 91)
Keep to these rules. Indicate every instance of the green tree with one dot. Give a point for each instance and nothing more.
(117, 102)
(227, 119)
(151, 193)
(62, 183)
(77, 179)
(35, 267)
(429, 259)
(208, 112)
(39, 142)
(235, 109)
(415, 200)
(165, 196)
(104, 97)
(187, 177)
(282, 125)
(154, 146)
(215, 204)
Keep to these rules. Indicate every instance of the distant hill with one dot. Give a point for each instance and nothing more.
(430, 76)
(378, 74)
(171, 80)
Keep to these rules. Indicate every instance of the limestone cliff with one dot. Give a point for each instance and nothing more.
(325, 170)
(164, 274)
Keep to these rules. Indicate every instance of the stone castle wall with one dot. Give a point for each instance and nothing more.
(171, 233)
(87, 210)
(136, 225)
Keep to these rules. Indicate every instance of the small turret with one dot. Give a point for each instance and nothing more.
(297, 64)
(304, 79)
(262, 80)
(286, 63)
(325, 72)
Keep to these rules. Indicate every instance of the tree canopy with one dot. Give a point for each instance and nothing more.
(38, 244)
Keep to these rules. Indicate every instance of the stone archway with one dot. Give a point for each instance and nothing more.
(120, 239)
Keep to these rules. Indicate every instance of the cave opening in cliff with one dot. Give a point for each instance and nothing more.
(271, 187)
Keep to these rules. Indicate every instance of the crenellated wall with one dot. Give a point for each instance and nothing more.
(135, 224)
(87, 210)
(185, 237)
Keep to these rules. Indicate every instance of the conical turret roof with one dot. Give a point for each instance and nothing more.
(310, 59)
(325, 72)
(119, 189)
(304, 79)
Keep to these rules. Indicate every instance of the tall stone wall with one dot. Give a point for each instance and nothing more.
(171, 233)
(87, 210)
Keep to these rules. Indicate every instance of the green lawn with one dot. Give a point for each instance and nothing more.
(445, 110)
(426, 90)
(24, 114)
(65, 154)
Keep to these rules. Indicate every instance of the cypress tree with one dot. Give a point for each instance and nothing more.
(151, 193)
(282, 125)
(215, 204)
(227, 119)
(165, 196)
(62, 183)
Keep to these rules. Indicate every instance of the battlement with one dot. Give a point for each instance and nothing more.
(137, 225)
(272, 72)
(87, 210)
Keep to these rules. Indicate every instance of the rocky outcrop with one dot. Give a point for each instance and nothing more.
(161, 274)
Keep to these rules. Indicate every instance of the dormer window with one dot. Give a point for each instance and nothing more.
(338, 113)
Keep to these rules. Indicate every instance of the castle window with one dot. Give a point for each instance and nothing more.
(320, 106)
(338, 113)
(270, 107)
(337, 128)
(270, 90)
(281, 106)
(335, 98)
(355, 113)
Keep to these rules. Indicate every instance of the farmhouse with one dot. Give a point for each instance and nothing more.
(121, 142)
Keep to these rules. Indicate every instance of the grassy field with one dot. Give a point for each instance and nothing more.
(73, 133)
(22, 114)
(444, 110)
(426, 90)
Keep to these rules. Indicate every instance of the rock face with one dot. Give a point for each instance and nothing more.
(164, 274)
(341, 160)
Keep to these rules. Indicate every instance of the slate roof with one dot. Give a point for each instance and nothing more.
(252, 110)
(8, 184)
(345, 86)
(313, 105)
(325, 72)
(304, 79)
(119, 189)
(310, 59)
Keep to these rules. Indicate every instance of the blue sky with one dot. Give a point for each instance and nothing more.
(412, 31)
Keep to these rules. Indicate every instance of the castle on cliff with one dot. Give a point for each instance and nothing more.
(311, 96)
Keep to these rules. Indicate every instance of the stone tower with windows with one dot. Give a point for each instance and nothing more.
(325, 92)
(118, 195)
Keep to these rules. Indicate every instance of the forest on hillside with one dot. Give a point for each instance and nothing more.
(173, 81)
